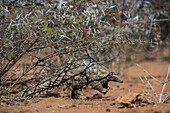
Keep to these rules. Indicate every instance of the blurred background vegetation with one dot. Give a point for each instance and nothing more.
(37, 37)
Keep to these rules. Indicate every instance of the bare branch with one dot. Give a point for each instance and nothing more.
(148, 73)
(143, 82)
(164, 84)
(151, 87)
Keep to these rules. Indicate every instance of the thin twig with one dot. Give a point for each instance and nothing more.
(12, 63)
(166, 80)
(148, 73)
(168, 74)
(143, 82)
(164, 84)
(151, 87)
(21, 46)
(167, 98)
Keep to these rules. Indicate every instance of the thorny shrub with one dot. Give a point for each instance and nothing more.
(47, 34)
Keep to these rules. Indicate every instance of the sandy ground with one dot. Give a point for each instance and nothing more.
(132, 84)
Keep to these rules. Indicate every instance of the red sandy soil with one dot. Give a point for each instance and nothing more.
(132, 84)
